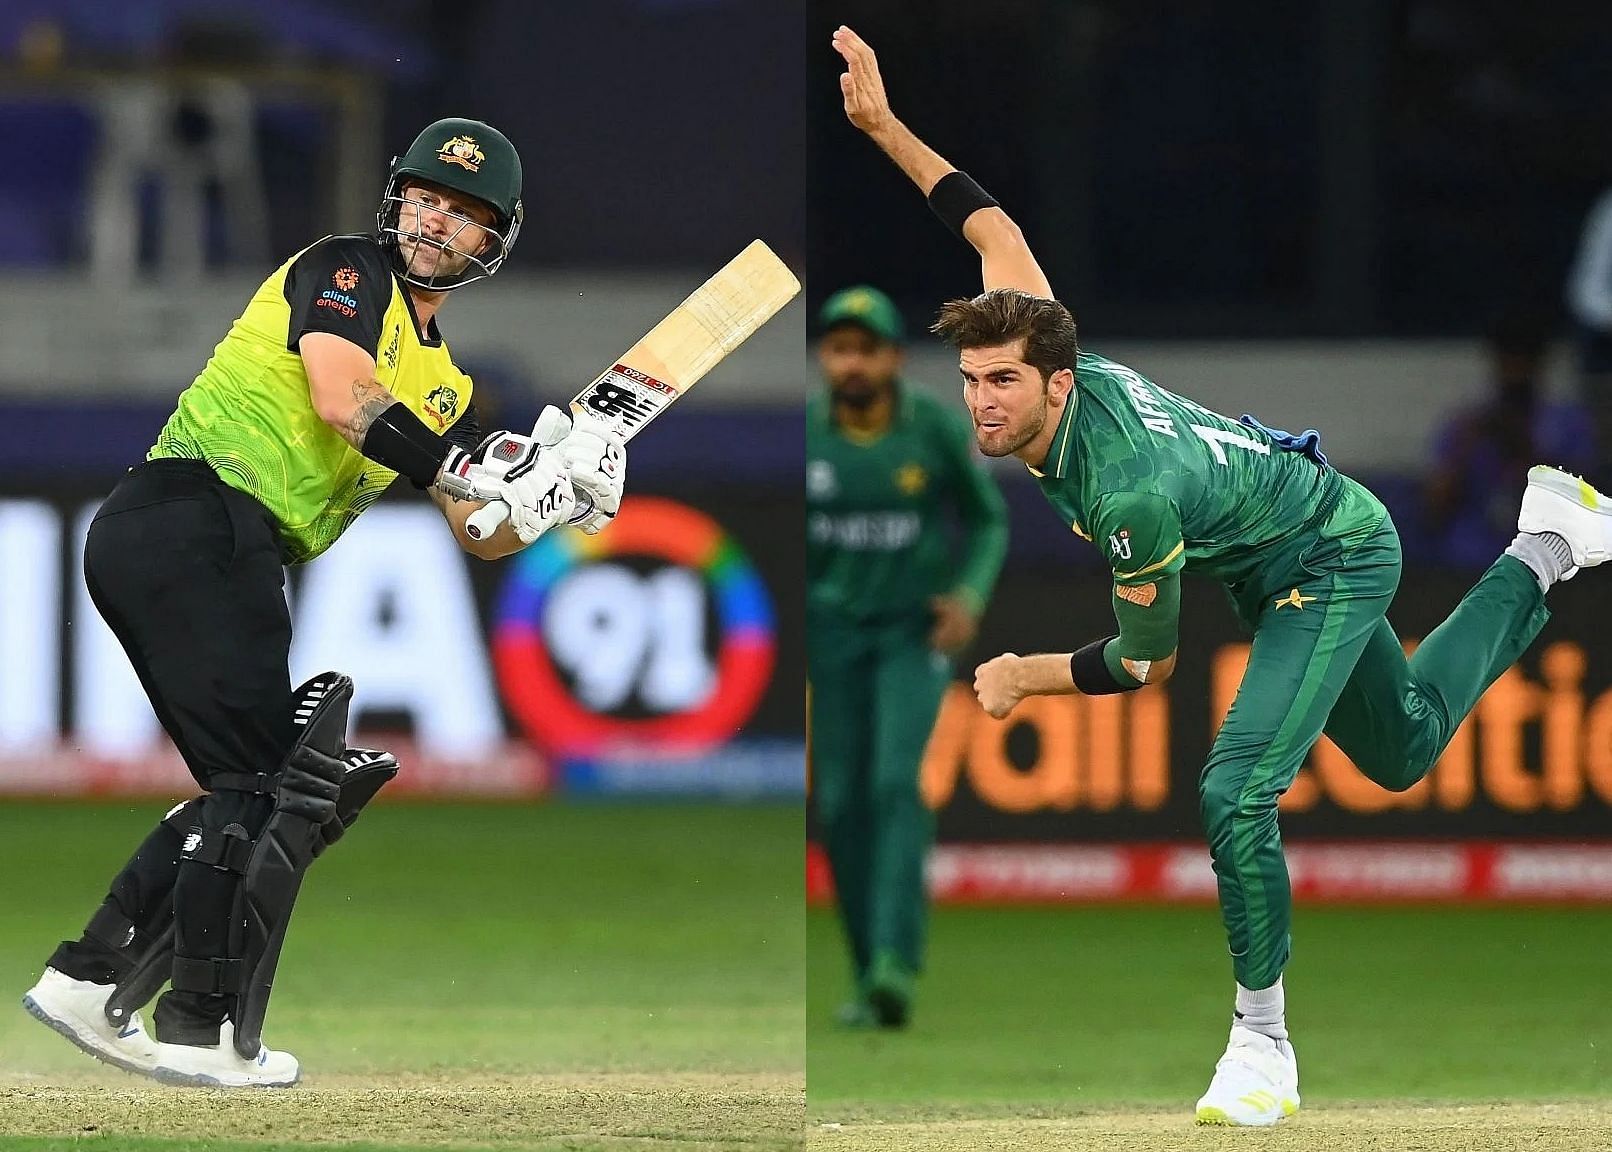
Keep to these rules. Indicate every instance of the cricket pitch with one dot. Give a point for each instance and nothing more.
(694, 1111)
(1377, 1126)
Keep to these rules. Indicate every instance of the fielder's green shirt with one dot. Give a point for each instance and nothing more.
(249, 414)
(880, 513)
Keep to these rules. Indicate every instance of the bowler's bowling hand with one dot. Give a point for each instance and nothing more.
(866, 105)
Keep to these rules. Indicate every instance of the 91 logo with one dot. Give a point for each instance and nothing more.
(654, 637)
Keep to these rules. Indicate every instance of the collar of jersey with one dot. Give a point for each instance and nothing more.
(432, 336)
(899, 412)
(1058, 450)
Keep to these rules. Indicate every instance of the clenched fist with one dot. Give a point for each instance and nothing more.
(996, 683)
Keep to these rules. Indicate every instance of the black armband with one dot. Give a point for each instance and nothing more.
(956, 197)
(399, 440)
(1091, 674)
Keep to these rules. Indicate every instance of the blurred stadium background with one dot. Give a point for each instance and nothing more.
(1382, 220)
(167, 156)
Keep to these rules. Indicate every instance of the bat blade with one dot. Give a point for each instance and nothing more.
(695, 337)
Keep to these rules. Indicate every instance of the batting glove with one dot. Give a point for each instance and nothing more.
(597, 457)
(537, 488)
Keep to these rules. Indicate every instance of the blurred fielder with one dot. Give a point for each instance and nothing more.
(1310, 557)
(887, 606)
(333, 382)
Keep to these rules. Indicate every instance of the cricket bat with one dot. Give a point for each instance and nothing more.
(717, 317)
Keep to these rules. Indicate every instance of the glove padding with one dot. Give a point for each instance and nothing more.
(597, 458)
(537, 489)
(478, 470)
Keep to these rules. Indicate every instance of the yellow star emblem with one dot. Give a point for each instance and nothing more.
(911, 478)
(1294, 598)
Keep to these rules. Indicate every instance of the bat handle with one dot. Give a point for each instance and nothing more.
(484, 521)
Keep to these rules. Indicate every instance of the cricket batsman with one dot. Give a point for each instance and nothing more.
(1309, 556)
(334, 381)
(889, 602)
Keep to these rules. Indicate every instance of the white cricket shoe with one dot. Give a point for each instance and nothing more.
(220, 1066)
(77, 1009)
(1256, 1082)
(1559, 502)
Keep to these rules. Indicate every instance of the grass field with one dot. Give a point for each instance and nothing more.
(1039, 1028)
(515, 977)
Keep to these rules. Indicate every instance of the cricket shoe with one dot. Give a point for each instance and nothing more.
(1256, 1082)
(220, 1066)
(1559, 502)
(890, 988)
(77, 1009)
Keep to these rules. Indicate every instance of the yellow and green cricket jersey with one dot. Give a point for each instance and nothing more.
(249, 414)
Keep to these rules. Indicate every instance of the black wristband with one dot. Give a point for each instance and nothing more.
(399, 440)
(956, 197)
(1090, 671)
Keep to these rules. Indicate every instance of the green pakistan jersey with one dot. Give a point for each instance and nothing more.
(249, 414)
(878, 513)
(1161, 484)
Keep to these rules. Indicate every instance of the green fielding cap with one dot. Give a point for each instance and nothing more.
(866, 307)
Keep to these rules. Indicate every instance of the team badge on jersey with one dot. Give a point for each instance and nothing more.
(442, 403)
(820, 480)
(1119, 544)
(911, 479)
(463, 151)
(1294, 599)
(391, 348)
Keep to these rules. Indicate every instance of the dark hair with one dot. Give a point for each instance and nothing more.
(1006, 315)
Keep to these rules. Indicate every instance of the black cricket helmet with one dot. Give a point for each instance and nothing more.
(468, 157)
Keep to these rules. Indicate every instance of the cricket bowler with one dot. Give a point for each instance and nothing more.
(889, 602)
(333, 382)
(1310, 557)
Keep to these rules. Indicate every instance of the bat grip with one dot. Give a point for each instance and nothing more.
(484, 521)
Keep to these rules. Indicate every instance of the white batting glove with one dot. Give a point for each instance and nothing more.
(597, 457)
(539, 497)
(474, 474)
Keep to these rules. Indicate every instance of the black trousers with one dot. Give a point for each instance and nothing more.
(187, 573)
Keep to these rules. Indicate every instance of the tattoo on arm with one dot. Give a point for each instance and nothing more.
(371, 399)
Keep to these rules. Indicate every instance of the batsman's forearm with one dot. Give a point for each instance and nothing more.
(351, 416)
(922, 164)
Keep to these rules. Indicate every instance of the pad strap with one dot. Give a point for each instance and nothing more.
(261, 783)
(211, 976)
(228, 850)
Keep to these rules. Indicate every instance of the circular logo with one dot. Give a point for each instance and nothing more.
(655, 636)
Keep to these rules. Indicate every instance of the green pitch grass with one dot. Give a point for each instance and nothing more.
(465, 976)
(1100, 1027)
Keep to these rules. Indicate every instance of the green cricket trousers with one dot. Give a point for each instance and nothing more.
(876, 689)
(1325, 659)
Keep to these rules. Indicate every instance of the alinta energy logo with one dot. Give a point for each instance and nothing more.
(655, 637)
